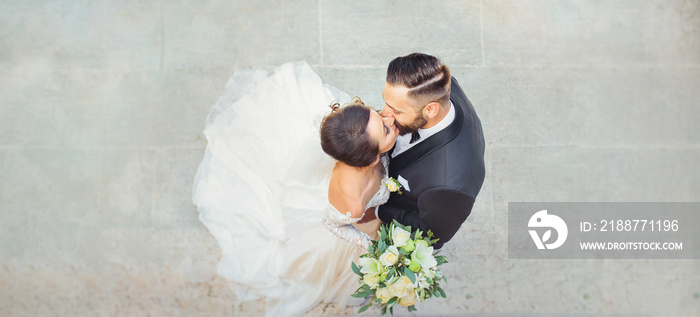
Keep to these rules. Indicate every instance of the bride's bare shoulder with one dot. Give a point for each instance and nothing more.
(339, 198)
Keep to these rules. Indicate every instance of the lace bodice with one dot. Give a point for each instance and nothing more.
(341, 223)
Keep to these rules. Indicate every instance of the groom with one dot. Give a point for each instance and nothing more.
(439, 156)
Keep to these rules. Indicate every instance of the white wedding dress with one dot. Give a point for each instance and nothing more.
(261, 190)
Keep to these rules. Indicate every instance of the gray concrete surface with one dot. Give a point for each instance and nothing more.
(102, 104)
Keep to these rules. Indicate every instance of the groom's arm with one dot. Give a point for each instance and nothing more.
(442, 210)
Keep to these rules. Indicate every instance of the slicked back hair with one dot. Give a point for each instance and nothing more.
(424, 75)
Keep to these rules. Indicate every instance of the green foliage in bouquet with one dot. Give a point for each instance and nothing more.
(399, 269)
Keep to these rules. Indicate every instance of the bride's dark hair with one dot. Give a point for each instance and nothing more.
(344, 134)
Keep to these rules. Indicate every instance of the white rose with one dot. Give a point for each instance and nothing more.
(400, 287)
(393, 186)
(409, 300)
(383, 294)
(390, 256)
(400, 237)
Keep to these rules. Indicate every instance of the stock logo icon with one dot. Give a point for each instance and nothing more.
(542, 220)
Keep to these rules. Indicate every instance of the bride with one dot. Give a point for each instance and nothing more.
(284, 212)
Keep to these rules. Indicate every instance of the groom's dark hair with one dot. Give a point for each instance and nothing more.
(424, 75)
(344, 135)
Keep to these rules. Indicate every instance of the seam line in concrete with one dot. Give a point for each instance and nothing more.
(146, 147)
(683, 146)
(350, 66)
(162, 36)
(632, 66)
(353, 66)
(320, 34)
(603, 146)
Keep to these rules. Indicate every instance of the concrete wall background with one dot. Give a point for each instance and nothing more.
(102, 104)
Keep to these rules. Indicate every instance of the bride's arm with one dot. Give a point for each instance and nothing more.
(345, 225)
(342, 225)
(350, 234)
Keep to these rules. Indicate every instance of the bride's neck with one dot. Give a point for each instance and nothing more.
(356, 172)
(353, 180)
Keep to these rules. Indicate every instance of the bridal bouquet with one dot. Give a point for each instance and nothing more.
(400, 268)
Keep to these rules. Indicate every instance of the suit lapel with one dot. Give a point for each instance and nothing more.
(420, 150)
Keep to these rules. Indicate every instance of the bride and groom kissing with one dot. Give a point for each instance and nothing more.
(437, 156)
(259, 189)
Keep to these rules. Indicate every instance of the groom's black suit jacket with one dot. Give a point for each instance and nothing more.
(444, 173)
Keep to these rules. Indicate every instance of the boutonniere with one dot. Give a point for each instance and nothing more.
(393, 185)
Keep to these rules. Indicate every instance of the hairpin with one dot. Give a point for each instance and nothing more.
(334, 106)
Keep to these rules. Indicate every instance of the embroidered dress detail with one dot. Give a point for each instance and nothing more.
(341, 224)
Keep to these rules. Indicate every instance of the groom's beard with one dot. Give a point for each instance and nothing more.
(411, 127)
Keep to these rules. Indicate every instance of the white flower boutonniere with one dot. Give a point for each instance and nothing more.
(393, 185)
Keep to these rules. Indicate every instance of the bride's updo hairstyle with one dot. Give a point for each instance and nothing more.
(344, 134)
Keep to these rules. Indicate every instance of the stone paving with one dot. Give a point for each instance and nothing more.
(102, 106)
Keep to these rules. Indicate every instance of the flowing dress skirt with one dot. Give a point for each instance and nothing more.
(262, 186)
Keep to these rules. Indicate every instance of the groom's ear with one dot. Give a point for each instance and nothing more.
(431, 109)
